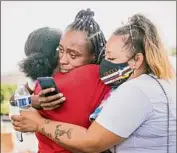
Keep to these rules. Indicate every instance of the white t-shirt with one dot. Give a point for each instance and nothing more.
(137, 111)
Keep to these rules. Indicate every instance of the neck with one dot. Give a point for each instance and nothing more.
(137, 73)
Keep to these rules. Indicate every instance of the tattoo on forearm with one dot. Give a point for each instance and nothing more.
(45, 133)
(59, 132)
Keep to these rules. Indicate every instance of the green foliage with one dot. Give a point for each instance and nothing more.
(6, 92)
(5, 107)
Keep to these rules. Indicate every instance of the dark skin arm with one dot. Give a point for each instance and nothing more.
(42, 102)
(34, 98)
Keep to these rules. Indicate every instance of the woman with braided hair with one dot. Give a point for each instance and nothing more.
(81, 49)
(83, 42)
(140, 114)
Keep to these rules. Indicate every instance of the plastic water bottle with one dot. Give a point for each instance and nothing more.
(22, 98)
(22, 102)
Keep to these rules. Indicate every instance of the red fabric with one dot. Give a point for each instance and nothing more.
(84, 91)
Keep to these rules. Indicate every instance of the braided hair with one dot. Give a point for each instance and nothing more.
(40, 49)
(85, 22)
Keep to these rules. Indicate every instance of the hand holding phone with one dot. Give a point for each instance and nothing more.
(54, 99)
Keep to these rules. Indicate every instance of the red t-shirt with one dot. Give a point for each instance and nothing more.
(84, 91)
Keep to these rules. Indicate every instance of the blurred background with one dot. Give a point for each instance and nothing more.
(18, 19)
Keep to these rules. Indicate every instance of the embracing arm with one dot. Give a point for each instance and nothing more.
(116, 121)
(118, 116)
(77, 138)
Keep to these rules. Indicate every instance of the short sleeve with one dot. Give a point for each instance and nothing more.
(126, 109)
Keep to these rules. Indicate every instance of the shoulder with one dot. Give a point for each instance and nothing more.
(140, 83)
(130, 88)
(90, 72)
(81, 76)
(81, 71)
(87, 69)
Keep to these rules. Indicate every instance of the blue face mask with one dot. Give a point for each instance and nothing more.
(114, 74)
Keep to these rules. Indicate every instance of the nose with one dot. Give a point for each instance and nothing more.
(63, 59)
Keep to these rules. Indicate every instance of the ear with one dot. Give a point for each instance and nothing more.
(139, 58)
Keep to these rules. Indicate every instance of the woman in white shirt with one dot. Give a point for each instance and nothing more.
(139, 115)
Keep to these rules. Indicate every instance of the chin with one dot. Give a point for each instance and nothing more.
(64, 71)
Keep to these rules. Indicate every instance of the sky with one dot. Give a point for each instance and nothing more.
(19, 18)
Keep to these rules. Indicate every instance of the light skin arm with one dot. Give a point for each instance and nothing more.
(72, 137)
(77, 138)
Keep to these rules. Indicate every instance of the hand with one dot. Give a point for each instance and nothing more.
(51, 102)
(27, 121)
(35, 103)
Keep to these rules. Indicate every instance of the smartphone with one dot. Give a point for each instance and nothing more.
(48, 82)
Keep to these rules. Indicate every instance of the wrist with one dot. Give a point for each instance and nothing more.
(40, 125)
(35, 103)
(36, 106)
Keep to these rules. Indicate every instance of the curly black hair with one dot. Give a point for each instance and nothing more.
(42, 56)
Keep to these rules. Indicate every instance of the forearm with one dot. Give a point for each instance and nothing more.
(72, 137)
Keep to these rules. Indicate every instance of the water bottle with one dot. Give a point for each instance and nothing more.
(22, 102)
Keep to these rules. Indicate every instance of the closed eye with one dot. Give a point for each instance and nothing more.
(73, 56)
(61, 50)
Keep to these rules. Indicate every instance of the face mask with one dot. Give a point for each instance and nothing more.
(114, 74)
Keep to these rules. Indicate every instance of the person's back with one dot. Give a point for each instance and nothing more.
(84, 91)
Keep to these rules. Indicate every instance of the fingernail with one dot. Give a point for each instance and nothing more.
(52, 89)
(60, 95)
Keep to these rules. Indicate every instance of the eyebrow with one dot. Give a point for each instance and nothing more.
(74, 51)
(71, 50)
(60, 46)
